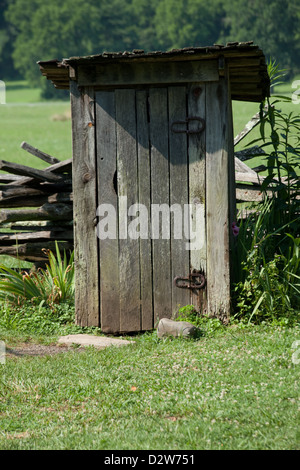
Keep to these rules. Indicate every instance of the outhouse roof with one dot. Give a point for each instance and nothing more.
(248, 75)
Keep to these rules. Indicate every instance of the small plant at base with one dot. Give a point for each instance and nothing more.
(206, 324)
(53, 285)
(188, 313)
(270, 286)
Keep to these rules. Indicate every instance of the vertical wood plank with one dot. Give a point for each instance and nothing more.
(178, 194)
(217, 199)
(144, 175)
(84, 207)
(108, 247)
(159, 131)
(232, 184)
(197, 197)
(127, 165)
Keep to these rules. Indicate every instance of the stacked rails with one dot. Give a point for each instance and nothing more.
(36, 208)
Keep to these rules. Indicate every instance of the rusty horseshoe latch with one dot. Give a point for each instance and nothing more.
(195, 280)
(176, 126)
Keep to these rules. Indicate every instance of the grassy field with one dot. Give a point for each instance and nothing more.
(25, 118)
(233, 388)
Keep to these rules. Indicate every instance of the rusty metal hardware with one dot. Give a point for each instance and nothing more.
(176, 126)
(195, 280)
(91, 113)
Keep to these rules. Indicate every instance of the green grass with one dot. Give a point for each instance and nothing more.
(18, 91)
(243, 112)
(25, 118)
(233, 388)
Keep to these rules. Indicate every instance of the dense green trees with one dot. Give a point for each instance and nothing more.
(7, 69)
(34, 30)
(186, 23)
(59, 29)
(274, 25)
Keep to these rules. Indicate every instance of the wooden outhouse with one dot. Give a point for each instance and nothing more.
(153, 178)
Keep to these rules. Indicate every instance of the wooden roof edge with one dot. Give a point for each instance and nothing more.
(186, 51)
(237, 47)
(58, 70)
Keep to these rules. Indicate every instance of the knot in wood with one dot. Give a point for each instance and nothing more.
(197, 91)
(86, 177)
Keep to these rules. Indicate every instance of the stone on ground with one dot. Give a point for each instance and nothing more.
(91, 340)
(167, 327)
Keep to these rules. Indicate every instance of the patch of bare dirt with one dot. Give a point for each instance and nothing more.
(31, 349)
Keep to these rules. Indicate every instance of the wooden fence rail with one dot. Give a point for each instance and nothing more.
(36, 208)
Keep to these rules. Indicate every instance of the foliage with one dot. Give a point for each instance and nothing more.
(59, 29)
(35, 320)
(6, 45)
(53, 285)
(274, 25)
(37, 30)
(270, 289)
(207, 326)
(267, 255)
(188, 23)
(283, 155)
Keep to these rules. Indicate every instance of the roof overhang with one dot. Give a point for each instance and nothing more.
(245, 62)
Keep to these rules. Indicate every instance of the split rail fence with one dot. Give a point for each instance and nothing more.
(36, 208)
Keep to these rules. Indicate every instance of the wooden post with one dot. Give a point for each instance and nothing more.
(107, 194)
(219, 152)
(159, 133)
(178, 192)
(144, 172)
(197, 183)
(84, 180)
(129, 250)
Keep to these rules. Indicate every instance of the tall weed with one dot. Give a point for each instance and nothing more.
(270, 289)
(266, 251)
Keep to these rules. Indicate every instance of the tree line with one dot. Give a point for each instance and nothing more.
(32, 30)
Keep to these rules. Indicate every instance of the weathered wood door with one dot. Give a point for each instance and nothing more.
(167, 146)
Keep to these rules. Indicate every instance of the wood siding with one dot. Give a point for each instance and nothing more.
(84, 206)
(127, 141)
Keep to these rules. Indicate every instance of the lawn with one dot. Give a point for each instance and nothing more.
(40, 123)
(234, 388)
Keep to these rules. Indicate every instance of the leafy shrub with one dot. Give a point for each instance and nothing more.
(266, 251)
(207, 326)
(271, 290)
(53, 285)
(188, 313)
